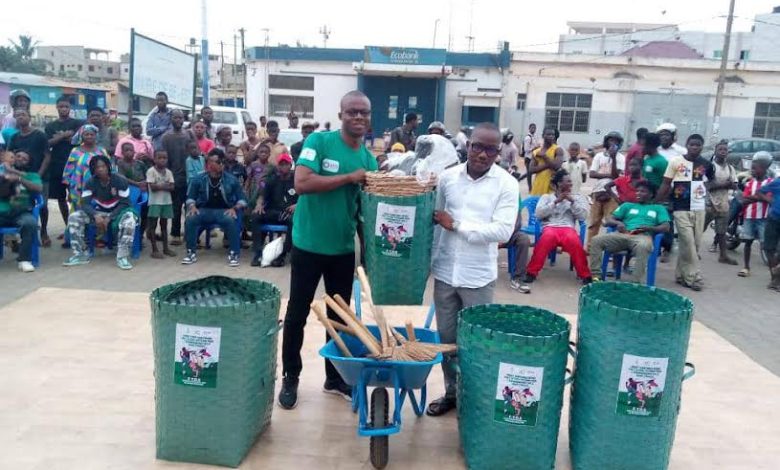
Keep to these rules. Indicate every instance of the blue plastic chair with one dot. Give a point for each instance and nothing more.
(208, 228)
(652, 261)
(36, 245)
(137, 199)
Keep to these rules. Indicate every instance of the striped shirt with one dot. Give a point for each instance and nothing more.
(755, 210)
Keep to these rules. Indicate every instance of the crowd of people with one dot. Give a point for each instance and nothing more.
(194, 173)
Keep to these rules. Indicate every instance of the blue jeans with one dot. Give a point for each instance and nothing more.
(206, 217)
(28, 226)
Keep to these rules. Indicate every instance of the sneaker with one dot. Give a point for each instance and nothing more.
(76, 260)
(233, 259)
(339, 388)
(190, 258)
(587, 280)
(26, 267)
(124, 264)
(278, 262)
(517, 284)
(288, 395)
(529, 279)
(256, 260)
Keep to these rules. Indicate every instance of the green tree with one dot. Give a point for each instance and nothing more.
(25, 47)
(18, 56)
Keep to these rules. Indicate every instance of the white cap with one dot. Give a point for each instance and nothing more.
(667, 126)
(763, 156)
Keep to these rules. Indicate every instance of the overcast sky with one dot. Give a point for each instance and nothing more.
(353, 24)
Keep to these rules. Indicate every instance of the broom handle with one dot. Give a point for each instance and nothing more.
(410, 331)
(378, 314)
(345, 306)
(367, 339)
(342, 327)
(329, 327)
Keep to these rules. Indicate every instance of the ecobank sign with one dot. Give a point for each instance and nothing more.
(403, 56)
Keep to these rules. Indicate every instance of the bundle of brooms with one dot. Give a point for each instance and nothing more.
(392, 345)
(385, 184)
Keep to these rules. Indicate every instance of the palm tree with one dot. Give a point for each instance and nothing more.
(25, 48)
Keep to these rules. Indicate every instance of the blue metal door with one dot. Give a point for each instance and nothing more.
(393, 97)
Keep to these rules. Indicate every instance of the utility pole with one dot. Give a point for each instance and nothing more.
(724, 60)
(267, 59)
(243, 61)
(325, 32)
(435, 29)
(204, 53)
(222, 65)
(233, 78)
(470, 37)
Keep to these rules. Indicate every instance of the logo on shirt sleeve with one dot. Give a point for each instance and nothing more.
(331, 166)
(652, 214)
(308, 154)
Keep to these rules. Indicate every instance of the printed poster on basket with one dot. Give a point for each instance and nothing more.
(196, 355)
(394, 230)
(641, 387)
(518, 392)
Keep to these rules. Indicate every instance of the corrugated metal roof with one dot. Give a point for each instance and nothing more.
(29, 79)
(664, 49)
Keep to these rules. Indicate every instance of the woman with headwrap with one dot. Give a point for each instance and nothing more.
(76, 173)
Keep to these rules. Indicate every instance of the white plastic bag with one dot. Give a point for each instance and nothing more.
(434, 154)
(272, 251)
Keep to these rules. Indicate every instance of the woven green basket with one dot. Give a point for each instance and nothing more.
(512, 361)
(631, 347)
(212, 405)
(398, 235)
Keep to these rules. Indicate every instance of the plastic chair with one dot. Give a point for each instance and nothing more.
(137, 199)
(652, 261)
(36, 245)
(210, 227)
(510, 250)
(554, 253)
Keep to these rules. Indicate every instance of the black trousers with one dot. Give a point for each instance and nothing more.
(306, 270)
(179, 196)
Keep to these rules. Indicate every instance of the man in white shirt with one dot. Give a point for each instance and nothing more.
(530, 143)
(476, 206)
(669, 148)
(607, 165)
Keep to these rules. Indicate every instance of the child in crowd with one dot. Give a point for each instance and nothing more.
(577, 168)
(626, 184)
(160, 180)
(196, 163)
(132, 169)
(232, 164)
(755, 209)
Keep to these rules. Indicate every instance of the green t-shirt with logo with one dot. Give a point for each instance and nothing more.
(653, 169)
(635, 215)
(325, 223)
(20, 199)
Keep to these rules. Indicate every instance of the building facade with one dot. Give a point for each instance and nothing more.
(585, 96)
(79, 62)
(603, 38)
(456, 88)
(44, 92)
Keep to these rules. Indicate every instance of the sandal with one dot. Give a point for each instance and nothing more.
(744, 273)
(441, 406)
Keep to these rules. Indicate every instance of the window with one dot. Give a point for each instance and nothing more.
(246, 117)
(568, 112)
(766, 122)
(80, 68)
(281, 105)
(744, 55)
(744, 146)
(110, 70)
(62, 67)
(476, 114)
(521, 98)
(291, 82)
(91, 68)
(717, 54)
(225, 117)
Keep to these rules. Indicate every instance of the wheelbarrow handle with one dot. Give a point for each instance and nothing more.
(690, 372)
(275, 329)
(572, 349)
(431, 314)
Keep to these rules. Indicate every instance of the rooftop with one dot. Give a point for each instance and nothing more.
(600, 27)
(664, 49)
(29, 79)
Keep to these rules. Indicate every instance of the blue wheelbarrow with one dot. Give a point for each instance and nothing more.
(403, 377)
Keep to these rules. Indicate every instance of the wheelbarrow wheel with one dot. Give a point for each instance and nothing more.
(379, 419)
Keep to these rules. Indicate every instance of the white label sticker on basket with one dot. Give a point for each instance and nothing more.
(641, 387)
(394, 230)
(518, 392)
(196, 355)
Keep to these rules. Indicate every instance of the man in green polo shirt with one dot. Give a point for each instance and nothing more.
(330, 168)
(636, 224)
(18, 189)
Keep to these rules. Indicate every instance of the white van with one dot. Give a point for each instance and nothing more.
(236, 118)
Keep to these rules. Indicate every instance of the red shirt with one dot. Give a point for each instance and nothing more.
(755, 210)
(205, 145)
(634, 151)
(626, 191)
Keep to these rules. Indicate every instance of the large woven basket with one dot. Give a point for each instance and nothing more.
(398, 265)
(628, 335)
(524, 349)
(214, 417)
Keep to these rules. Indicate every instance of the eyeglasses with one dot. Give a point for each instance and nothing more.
(490, 150)
(353, 113)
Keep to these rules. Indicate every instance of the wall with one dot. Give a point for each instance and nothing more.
(613, 98)
(473, 78)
